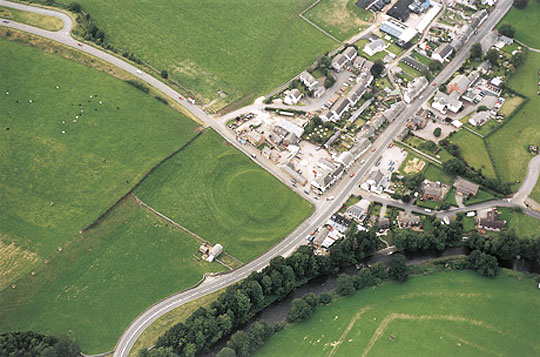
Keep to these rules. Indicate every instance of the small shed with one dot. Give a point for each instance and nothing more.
(214, 252)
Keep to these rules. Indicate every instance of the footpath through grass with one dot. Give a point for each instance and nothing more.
(73, 140)
(218, 193)
(46, 22)
(104, 278)
(526, 22)
(221, 49)
(448, 313)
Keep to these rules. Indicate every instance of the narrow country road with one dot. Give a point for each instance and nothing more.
(324, 209)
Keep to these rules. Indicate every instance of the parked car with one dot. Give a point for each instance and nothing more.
(330, 198)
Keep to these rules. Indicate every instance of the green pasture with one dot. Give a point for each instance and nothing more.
(104, 278)
(449, 313)
(524, 226)
(509, 143)
(223, 50)
(474, 151)
(340, 18)
(218, 193)
(73, 141)
(526, 22)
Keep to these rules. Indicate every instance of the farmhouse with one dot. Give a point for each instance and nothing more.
(442, 53)
(374, 47)
(293, 97)
(414, 88)
(465, 188)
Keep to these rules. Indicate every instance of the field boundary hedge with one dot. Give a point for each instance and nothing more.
(152, 169)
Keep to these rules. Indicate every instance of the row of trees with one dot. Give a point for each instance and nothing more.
(240, 302)
(506, 246)
(457, 166)
(34, 344)
(440, 238)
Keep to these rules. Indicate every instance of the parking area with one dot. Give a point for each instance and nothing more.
(307, 159)
(391, 160)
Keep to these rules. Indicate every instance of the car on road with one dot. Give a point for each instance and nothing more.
(434, 84)
(306, 192)
(330, 198)
(427, 210)
(373, 149)
(5, 21)
(79, 44)
(293, 181)
(254, 156)
(352, 175)
(139, 71)
(316, 197)
(421, 97)
(362, 162)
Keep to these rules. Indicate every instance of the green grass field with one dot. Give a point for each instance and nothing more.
(239, 47)
(42, 21)
(103, 279)
(449, 313)
(482, 196)
(63, 164)
(526, 22)
(474, 152)
(340, 18)
(218, 193)
(524, 226)
(434, 173)
(523, 129)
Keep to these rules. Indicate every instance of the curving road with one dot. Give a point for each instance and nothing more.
(324, 209)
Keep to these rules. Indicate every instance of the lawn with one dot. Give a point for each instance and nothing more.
(482, 196)
(448, 313)
(451, 197)
(217, 192)
(102, 280)
(526, 22)
(340, 18)
(512, 158)
(42, 21)
(510, 104)
(73, 141)
(524, 226)
(474, 151)
(221, 49)
(435, 173)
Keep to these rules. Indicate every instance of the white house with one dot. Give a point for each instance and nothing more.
(308, 80)
(442, 53)
(374, 47)
(293, 97)
(442, 102)
(414, 88)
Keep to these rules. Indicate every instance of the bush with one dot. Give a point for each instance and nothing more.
(521, 4)
(507, 30)
(345, 285)
(325, 298)
(75, 7)
(437, 132)
(138, 85)
(311, 299)
(226, 352)
(300, 311)
(397, 268)
(483, 263)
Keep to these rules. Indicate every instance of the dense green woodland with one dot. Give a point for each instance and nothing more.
(29, 344)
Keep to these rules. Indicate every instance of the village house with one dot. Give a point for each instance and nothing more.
(358, 211)
(465, 188)
(442, 53)
(339, 62)
(308, 80)
(374, 47)
(255, 138)
(376, 182)
(350, 53)
(408, 220)
(490, 220)
(458, 84)
(443, 102)
(414, 88)
(392, 113)
(432, 191)
(293, 97)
